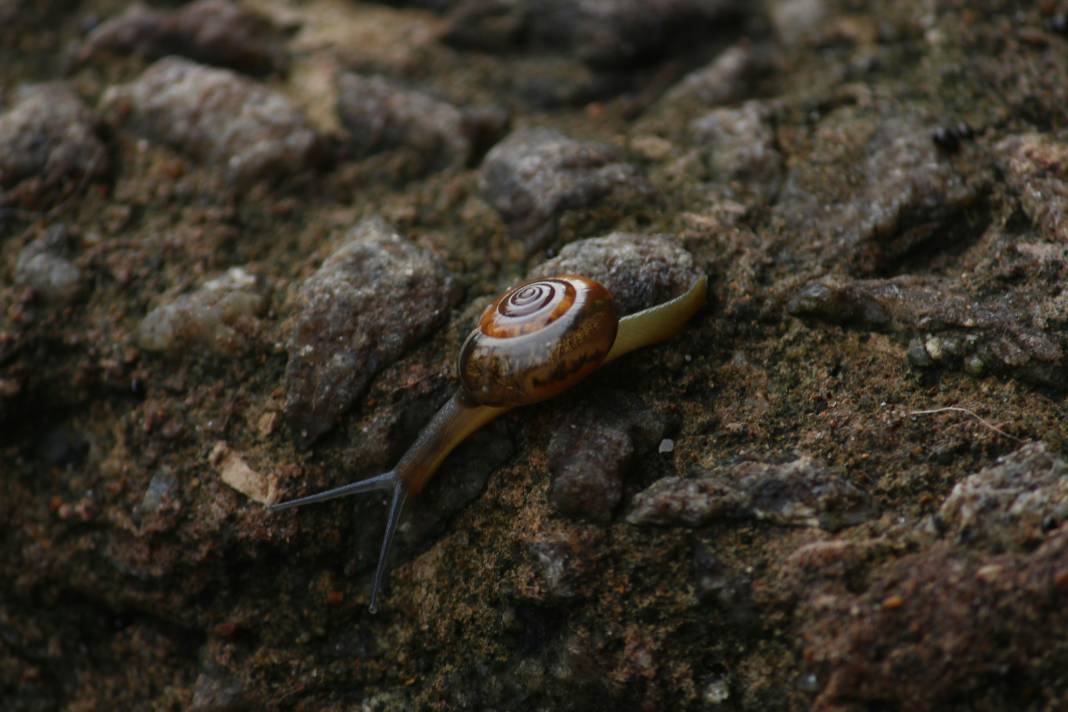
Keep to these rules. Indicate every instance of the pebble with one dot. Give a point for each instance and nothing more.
(45, 266)
(367, 305)
(216, 116)
(220, 316)
(639, 270)
(803, 493)
(1012, 502)
(535, 176)
(381, 114)
(592, 451)
(48, 137)
(738, 144)
(217, 32)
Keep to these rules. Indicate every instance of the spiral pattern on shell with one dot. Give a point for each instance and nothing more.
(536, 340)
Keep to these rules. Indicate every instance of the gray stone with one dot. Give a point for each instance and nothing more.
(369, 302)
(219, 316)
(535, 176)
(45, 266)
(218, 117)
(639, 270)
(1036, 167)
(799, 493)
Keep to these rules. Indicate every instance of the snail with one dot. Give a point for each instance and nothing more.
(535, 341)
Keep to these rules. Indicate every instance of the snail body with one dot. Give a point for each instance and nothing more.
(534, 342)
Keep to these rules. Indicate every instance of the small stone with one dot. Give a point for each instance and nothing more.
(161, 487)
(236, 473)
(799, 493)
(216, 690)
(666, 445)
(44, 265)
(218, 117)
(48, 138)
(1012, 502)
(220, 315)
(918, 355)
(639, 270)
(717, 692)
(369, 302)
(739, 145)
(216, 32)
(553, 560)
(536, 176)
(381, 114)
(592, 450)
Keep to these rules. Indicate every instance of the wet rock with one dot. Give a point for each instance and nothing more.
(592, 450)
(739, 145)
(1012, 502)
(218, 117)
(220, 315)
(48, 138)
(216, 32)
(639, 270)
(537, 176)
(727, 79)
(1036, 166)
(371, 301)
(934, 626)
(799, 493)
(45, 266)
(382, 114)
(1007, 332)
(865, 189)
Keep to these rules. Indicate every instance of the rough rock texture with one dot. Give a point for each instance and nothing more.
(898, 193)
(381, 114)
(799, 493)
(215, 116)
(590, 454)
(216, 32)
(220, 315)
(1015, 501)
(48, 139)
(369, 302)
(875, 192)
(1001, 334)
(536, 177)
(639, 270)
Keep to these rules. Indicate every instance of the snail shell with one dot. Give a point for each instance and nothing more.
(536, 340)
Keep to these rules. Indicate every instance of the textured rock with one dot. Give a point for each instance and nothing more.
(48, 137)
(932, 627)
(217, 117)
(799, 493)
(220, 315)
(739, 145)
(1036, 167)
(891, 193)
(592, 450)
(45, 266)
(1001, 333)
(216, 32)
(371, 300)
(381, 114)
(535, 176)
(639, 270)
(1012, 502)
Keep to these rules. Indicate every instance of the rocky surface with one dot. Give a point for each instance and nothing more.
(840, 487)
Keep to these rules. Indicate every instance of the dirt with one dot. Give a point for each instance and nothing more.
(878, 194)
